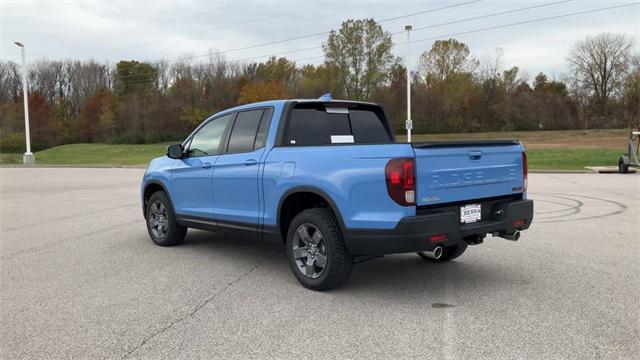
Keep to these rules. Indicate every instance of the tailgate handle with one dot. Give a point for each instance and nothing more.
(475, 155)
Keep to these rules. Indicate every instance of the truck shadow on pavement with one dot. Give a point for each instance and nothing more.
(228, 246)
(404, 276)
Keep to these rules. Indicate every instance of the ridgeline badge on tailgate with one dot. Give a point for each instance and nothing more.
(445, 179)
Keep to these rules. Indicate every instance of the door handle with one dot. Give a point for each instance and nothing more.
(250, 162)
(206, 165)
(475, 155)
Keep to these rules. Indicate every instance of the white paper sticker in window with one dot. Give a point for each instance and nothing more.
(341, 139)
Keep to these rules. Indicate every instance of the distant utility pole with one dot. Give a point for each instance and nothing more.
(409, 123)
(28, 158)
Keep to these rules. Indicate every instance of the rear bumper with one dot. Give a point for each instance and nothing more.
(414, 233)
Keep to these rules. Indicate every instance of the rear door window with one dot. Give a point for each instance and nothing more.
(243, 134)
(263, 129)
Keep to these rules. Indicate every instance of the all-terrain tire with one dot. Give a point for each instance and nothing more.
(161, 221)
(338, 262)
(622, 167)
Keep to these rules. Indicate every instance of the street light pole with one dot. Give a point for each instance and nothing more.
(409, 123)
(28, 157)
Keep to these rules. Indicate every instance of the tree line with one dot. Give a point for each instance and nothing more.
(452, 91)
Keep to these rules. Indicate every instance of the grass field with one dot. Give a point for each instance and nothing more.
(93, 154)
(574, 139)
(546, 150)
(571, 158)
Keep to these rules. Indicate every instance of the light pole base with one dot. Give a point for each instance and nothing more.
(29, 159)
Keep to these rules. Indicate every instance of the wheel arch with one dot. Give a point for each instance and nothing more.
(306, 194)
(151, 187)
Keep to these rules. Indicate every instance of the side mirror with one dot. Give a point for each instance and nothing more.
(175, 151)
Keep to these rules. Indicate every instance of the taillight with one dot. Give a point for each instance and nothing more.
(525, 171)
(401, 181)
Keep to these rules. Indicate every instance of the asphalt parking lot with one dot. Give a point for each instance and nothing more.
(81, 279)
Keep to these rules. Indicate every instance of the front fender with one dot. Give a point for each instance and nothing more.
(158, 173)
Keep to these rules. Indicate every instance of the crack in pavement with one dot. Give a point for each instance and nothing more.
(197, 308)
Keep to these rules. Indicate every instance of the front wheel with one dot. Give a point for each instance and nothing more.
(316, 251)
(448, 253)
(161, 221)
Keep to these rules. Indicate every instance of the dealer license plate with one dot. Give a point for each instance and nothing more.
(470, 213)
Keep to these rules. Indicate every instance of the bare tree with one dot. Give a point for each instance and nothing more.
(43, 78)
(490, 64)
(10, 81)
(599, 64)
(631, 97)
(84, 80)
(163, 71)
(182, 69)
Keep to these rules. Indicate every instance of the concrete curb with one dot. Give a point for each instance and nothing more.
(561, 172)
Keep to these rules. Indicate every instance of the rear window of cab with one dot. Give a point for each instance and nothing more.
(327, 124)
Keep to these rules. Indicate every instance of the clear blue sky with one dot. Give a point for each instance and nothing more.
(148, 30)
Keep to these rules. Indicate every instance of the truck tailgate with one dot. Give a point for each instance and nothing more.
(458, 171)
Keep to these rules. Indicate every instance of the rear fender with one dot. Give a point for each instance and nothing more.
(310, 189)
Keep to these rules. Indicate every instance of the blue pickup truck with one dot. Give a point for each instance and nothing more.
(326, 178)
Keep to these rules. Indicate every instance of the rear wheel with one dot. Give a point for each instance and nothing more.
(448, 253)
(316, 251)
(161, 221)
(623, 168)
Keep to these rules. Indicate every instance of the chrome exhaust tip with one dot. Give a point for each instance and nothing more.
(513, 237)
(434, 254)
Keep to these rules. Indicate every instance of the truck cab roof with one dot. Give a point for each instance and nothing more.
(283, 102)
